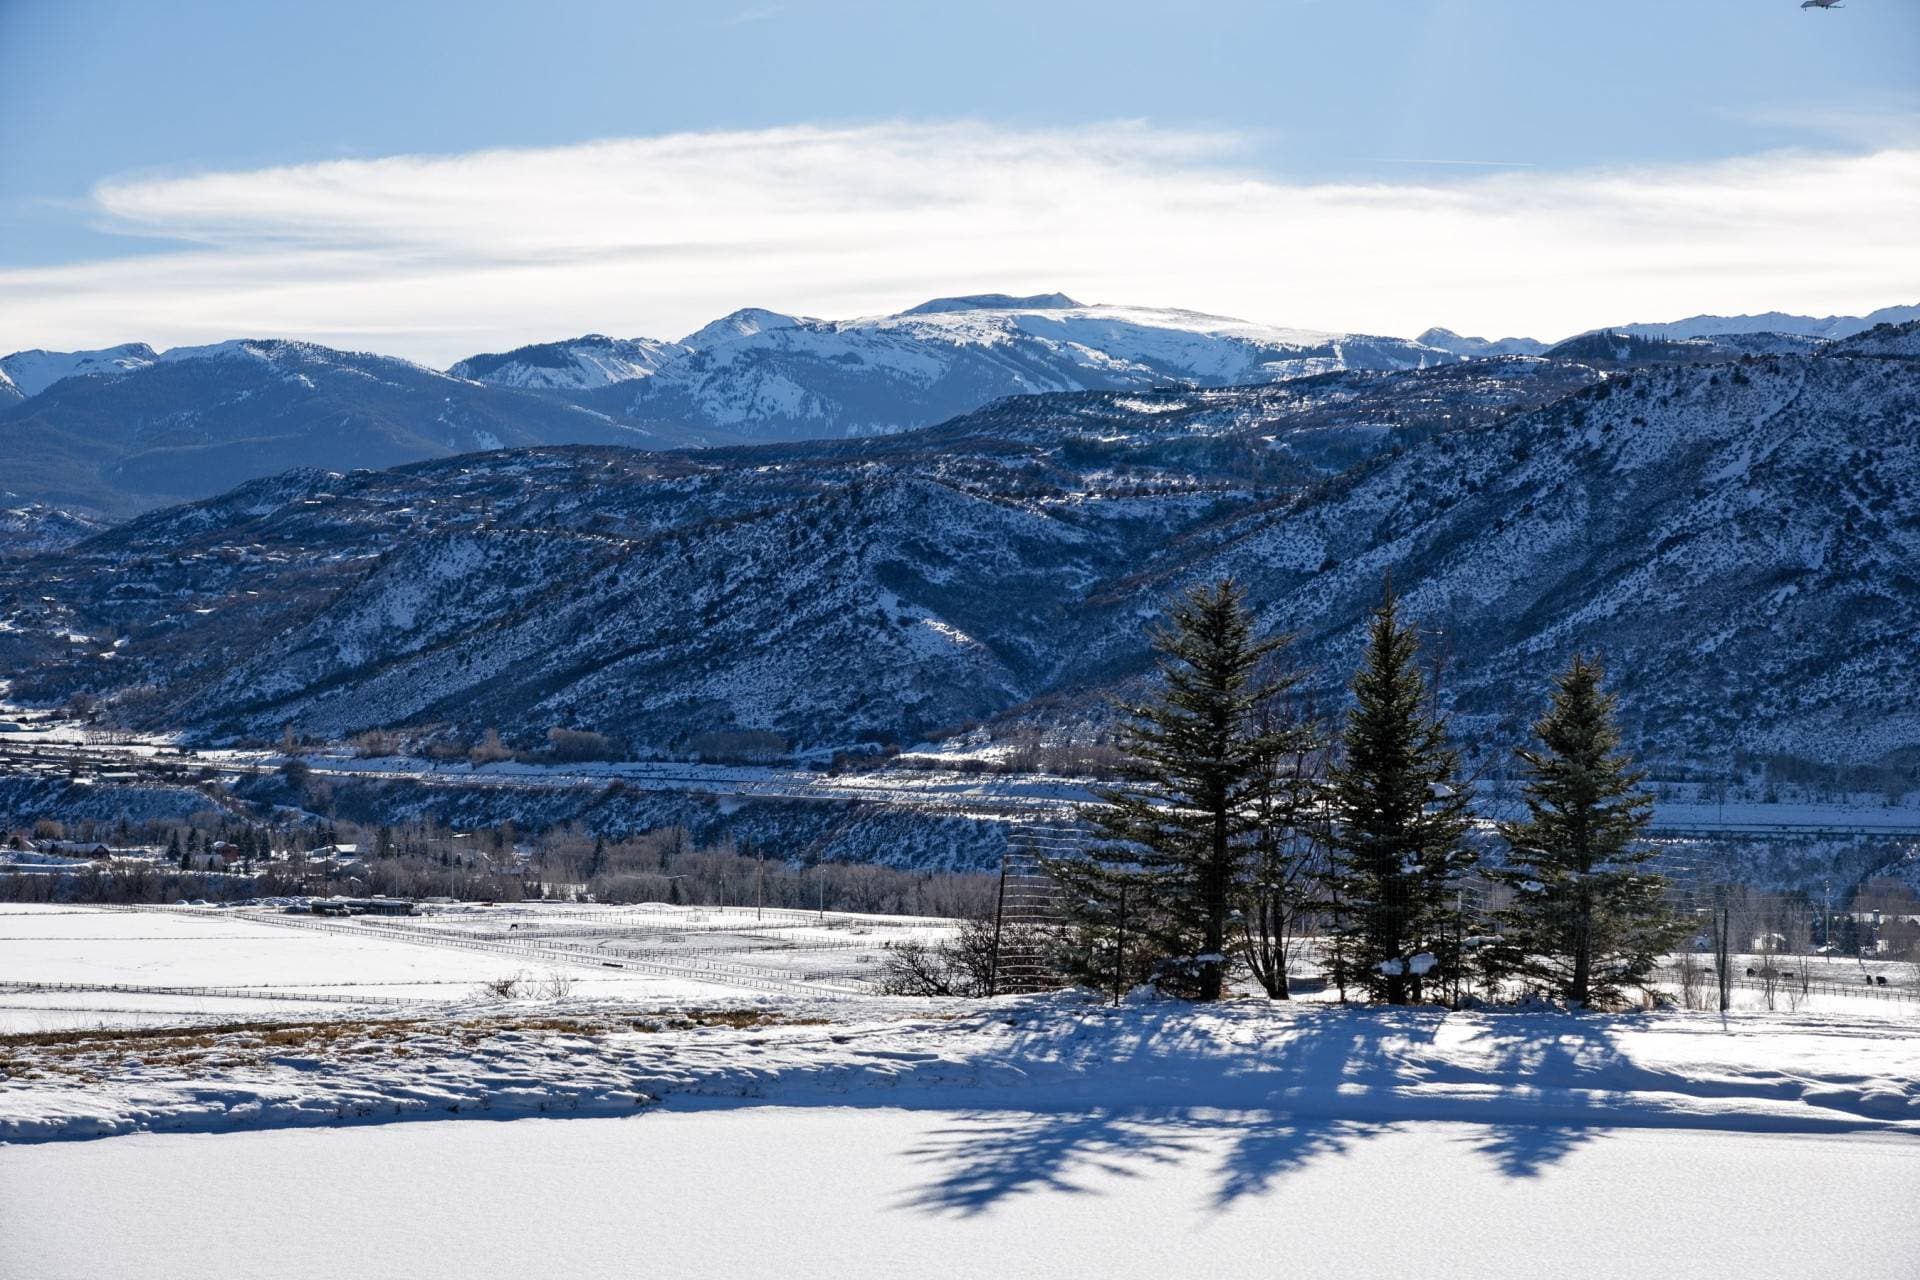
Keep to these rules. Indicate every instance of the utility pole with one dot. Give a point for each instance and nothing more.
(759, 886)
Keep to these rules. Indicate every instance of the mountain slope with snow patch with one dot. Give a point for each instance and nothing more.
(34, 371)
(579, 364)
(810, 378)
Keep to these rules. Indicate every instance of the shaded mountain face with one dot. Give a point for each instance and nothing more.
(580, 364)
(1739, 541)
(831, 592)
(201, 420)
(783, 378)
(1616, 349)
(8, 392)
(32, 372)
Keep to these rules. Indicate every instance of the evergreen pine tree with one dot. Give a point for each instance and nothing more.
(1401, 818)
(1587, 919)
(1174, 841)
(174, 852)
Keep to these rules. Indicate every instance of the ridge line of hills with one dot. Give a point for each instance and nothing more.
(1739, 537)
(114, 432)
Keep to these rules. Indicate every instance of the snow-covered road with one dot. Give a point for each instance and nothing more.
(851, 1192)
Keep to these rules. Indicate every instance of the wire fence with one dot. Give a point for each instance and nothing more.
(1027, 907)
(231, 993)
(692, 968)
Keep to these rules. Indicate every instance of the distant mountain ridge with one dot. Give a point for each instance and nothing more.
(122, 429)
(1824, 327)
(199, 420)
(1480, 348)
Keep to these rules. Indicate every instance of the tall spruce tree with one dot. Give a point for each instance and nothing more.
(1587, 918)
(1400, 822)
(1174, 842)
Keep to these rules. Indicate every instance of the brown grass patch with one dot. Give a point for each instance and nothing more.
(87, 1054)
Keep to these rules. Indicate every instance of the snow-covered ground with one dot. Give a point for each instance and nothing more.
(1776, 1072)
(675, 1127)
(64, 967)
(839, 1191)
(1037, 1136)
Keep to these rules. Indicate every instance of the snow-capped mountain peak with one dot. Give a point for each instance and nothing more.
(578, 364)
(993, 302)
(765, 376)
(744, 323)
(34, 371)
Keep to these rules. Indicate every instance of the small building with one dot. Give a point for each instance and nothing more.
(361, 906)
(75, 849)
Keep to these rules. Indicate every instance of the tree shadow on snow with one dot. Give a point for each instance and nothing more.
(981, 1162)
(1166, 1088)
(1138, 1090)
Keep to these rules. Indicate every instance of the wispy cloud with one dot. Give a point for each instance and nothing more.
(756, 13)
(1474, 164)
(438, 256)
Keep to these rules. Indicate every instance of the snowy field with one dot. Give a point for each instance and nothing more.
(668, 1125)
(65, 968)
(69, 967)
(835, 1192)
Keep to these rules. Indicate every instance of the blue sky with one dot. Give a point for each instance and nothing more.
(1540, 100)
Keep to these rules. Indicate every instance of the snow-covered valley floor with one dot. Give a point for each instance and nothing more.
(856, 1191)
(674, 1128)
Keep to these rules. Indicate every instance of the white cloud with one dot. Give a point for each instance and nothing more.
(437, 257)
